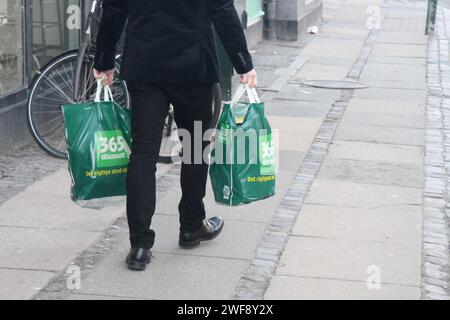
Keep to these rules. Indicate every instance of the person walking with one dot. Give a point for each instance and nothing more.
(169, 58)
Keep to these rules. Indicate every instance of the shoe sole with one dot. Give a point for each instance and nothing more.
(196, 243)
(137, 265)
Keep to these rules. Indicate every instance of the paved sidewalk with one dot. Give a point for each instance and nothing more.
(359, 232)
(347, 218)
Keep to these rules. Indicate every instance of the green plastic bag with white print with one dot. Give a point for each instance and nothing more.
(243, 159)
(98, 136)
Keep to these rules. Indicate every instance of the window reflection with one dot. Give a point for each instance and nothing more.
(56, 28)
(11, 48)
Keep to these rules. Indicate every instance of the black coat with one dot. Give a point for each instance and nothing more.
(171, 41)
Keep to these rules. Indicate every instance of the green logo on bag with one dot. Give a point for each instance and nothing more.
(266, 155)
(111, 149)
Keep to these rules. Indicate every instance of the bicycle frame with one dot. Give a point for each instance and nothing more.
(86, 44)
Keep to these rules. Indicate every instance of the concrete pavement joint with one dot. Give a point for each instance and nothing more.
(436, 235)
(345, 280)
(255, 281)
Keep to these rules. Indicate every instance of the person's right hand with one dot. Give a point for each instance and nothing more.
(107, 77)
(250, 78)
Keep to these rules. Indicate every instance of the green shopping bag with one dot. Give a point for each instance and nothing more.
(242, 168)
(98, 138)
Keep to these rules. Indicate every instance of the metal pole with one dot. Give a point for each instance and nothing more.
(431, 16)
(269, 19)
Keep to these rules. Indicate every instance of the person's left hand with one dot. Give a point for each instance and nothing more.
(250, 78)
(107, 77)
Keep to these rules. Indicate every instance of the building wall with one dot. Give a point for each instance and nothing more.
(294, 17)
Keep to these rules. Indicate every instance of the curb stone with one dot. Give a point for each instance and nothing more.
(436, 235)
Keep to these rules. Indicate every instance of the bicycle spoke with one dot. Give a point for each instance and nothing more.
(51, 121)
(55, 131)
(59, 102)
(69, 73)
(58, 89)
(90, 81)
(44, 112)
(60, 75)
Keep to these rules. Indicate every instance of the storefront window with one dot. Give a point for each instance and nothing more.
(56, 28)
(11, 45)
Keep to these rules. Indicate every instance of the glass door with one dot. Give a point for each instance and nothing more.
(56, 28)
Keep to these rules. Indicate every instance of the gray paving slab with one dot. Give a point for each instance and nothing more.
(349, 260)
(266, 77)
(390, 107)
(297, 109)
(246, 233)
(33, 209)
(169, 276)
(402, 37)
(290, 160)
(302, 125)
(42, 249)
(376, 152)
(297, 288)
(384, 69)
(389, 80)
(395, 61)
(399, 224)
(364, 133)
(394, 76)
(400, 50)
(341, 49)
(333, 61)
(294, 134)
(22, 284)
(297, 92)
(384, 120)
(316, 71)
(356, 195)
(372, 172)
(392, 94)
(342, 31)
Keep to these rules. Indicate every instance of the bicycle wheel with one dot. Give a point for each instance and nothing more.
(52, 88)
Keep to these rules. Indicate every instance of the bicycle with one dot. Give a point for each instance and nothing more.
(68, 79)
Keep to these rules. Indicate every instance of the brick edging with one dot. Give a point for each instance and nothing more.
(436, 207)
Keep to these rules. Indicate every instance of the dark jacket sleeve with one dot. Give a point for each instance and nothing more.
(114, 17)
(229, 28)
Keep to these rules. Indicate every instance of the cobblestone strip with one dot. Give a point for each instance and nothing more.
(436, 210)
(255, 281)
(24, 167)
(59, 287)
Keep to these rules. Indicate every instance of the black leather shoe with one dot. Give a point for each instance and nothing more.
(210, 229)
(138, 258)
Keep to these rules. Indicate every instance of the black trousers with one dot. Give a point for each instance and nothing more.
(150, 105)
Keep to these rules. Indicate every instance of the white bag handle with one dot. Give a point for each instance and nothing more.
(252, 94)
(107, 93)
